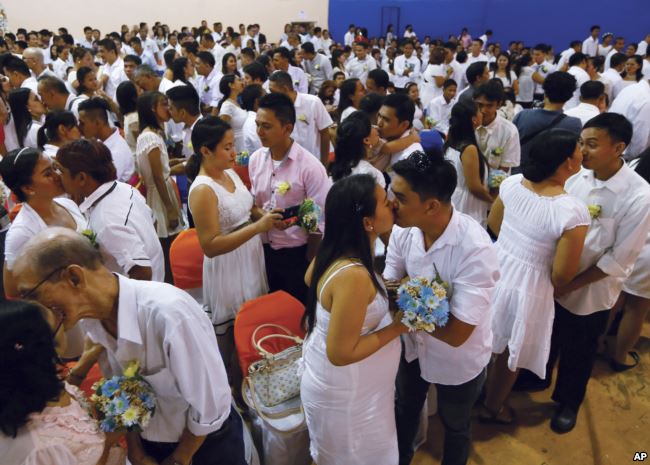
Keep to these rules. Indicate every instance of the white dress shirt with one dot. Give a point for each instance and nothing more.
(148, 58)
(320, 70)
(252, 141)
(116, 76)
(171, 336)
(581, 77)
(123, 158)
(466, 259)
(475, 59)
(218, 52)
(584, 112)
(614, 239)
(642, 48)
(208, 88)
(60, 67)
(348, 38)
(85, 43)
(564, 58)
(356, 68)
(188, 149)
(633, 102)
(299, 79)
(311, 118)
(123, 222)
(440, 111)
(401, 155)
(590, 46)
(608, 58)
(400, 65)
(614, 78)
(502, 134)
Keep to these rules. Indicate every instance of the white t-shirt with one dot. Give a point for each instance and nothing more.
(466, 259)
(311, 118)
(123, 158)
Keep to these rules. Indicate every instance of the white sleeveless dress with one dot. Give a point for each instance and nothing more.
(523, 298)
(462, 199)
(231, 279)
(350, 410)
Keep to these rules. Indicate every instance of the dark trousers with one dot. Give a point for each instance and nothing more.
(574, 342)
(285, 270)
(454, 408)
(223, 447)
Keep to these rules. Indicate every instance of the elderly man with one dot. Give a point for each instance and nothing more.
(55, 95)
(35, 61)
(156, 324)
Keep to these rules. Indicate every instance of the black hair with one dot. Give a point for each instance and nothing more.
(380, 77)
(108, 44)
(428, 176)
(617, 59)
(97, 107)
(224, 62)
(346, 91)
(639, 72)
(207, 132)
(15, 64)
(79, 52)
(492, 90)
(577, 58)
(350, 149)
(461, 131)
(592, 90)
(135, 59)
(89, 156)
(178, 69)
(281, 105)
(575, 43)
(448, 83)
(256, 70)
(617, 126)
(185, 98)
(594, 27)
(348, 202)
(81, 76)
(282, 78)
(475, 71)
(127, 97)
(559, 86)
(541, 47)
(224, 87)
(643, 168)
(461, 57)
(53, 83)
(146, 113)
(250, 95)
(548, 151)
(335, 57)
(308, 47)
(249, 52)
(50, 129)
(29, 364)
(18, 100)
(403, 106)
(371, 103)
(207, 58)
(17, 170)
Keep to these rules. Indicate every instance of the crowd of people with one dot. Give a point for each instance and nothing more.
(516, 175)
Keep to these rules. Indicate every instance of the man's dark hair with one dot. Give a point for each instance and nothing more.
(185, 98)
(135, 40)
(53, 83)
(284, 52)
(491, 90)
(429, 177)
(617, 59)
(249, 95)
(371, 103)
(559, 86)
(207, 58)
(541, 48)
(207, 36)
(256, 70)
(282, 78)
(308, 47)
(577, 58)
(380, 77)
(575, 43)
(135, 59)
(475, 71)
(595, 26)
(591, 90)
(480, 41)
(17, 65)
(403, 106)
(449, 83)
(249, 52)
(96, 108)
(108, 44)
(191, 47)
(461, 57)
(281, 106)
(617, 126)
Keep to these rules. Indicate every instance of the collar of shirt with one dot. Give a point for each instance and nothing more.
(110, 140)
(490, 128)
(96, 195)
(449, 236)
(616, 184)
(587, 107)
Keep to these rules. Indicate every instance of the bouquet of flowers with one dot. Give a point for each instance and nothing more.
(424, 303)
(124, 403)
(241, 159)
(308, 215)
(496, 177)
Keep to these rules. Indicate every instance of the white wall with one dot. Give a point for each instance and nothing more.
(109, 15)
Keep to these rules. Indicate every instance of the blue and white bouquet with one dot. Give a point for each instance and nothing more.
(496, 177)
(424, 303)
(124, 403)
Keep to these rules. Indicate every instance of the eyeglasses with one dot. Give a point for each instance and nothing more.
(29, 294)
(61, 320)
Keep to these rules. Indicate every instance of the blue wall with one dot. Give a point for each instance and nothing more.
(551, 21)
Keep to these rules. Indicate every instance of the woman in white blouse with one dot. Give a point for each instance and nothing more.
(354, 138)
(27, 112)
(505, 74)
(230, 111)
(60, 127)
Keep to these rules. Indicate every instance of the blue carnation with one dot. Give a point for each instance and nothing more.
(110, 386)
(120, 404)
(441, 314)
(404, 301)
(108, 425)
(426, 292)
(148, 401)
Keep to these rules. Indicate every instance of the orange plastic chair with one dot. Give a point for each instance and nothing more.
(242, 172)
(186, 259)
(278, 308)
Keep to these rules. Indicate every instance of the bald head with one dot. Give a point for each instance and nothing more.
(34, 59)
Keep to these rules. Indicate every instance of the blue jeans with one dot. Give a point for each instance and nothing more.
(455, 405)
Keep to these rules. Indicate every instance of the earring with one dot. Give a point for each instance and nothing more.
(372, 228)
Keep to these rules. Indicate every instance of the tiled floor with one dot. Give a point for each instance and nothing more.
(613, 423)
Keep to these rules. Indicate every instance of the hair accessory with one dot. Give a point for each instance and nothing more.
(18, 346)
(421, 160)
(19, 154)
(358, 208)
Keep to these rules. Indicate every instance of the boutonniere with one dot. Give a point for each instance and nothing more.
(497, 151)
(365, 67)
(91, 236)
(544, 69)
(303, 118)
(282, 187)
(594, 211)
(316, 67)
(432, 122)
(206, 88)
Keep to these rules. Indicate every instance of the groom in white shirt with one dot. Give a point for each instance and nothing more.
(430, 234)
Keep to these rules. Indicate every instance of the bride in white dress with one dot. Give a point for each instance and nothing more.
(352, 351)
(228, 227)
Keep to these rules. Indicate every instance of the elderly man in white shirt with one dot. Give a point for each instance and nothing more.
(621, 220)
(432, 238)
(590, 44)
(578, 69)
(317, 66)
(406, 66)
(633, 102)
(155, 324)
(282, 62)
(592, 97)
(313, 121)
(359, 66)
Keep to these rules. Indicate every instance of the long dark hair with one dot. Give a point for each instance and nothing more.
(207, 132)
(224, 63)
(50, 129)
(17, 168)
(350, 149)
(639, 72)
(146, 114)
(224, 87)
(461, 132)
(127, 97)
(18, 100)
(178, 69)
(335, 58)
(508, 66)
(643, 168)
(81, 75)
(29, 364)
(348, 202)
(346, 91)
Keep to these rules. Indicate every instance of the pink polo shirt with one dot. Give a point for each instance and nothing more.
(307, 178)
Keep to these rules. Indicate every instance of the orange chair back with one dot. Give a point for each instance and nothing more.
(186, 259)
(242, 172)
(279, 308)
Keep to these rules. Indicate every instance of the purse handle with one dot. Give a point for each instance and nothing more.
(257, 344)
